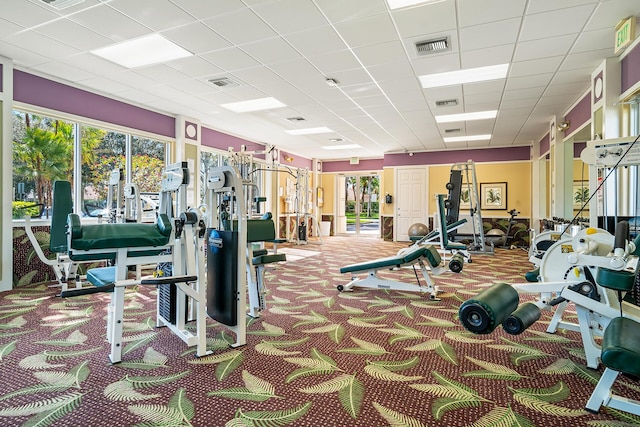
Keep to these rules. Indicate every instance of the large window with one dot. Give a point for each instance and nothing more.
(46, 149)
(43, 150)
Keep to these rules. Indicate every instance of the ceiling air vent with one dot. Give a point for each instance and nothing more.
(452, 130)
(224, 82)
(62, 4)
(296, 119)
(428, 47)
(447, 103)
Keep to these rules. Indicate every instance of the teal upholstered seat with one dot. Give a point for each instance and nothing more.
(111, 236)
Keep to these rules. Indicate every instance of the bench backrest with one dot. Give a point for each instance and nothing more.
(61, 207)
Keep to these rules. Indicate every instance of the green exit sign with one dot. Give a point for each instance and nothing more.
(625, 33)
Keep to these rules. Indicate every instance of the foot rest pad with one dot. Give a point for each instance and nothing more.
(621, 346)
(168, 280)
(101, 276)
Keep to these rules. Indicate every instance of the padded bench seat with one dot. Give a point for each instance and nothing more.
(621, 346)
(268, 258)
(408, 257)
(112, 236)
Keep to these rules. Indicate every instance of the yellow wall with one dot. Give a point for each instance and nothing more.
(328, 181)
(517, 175)
(387, 186)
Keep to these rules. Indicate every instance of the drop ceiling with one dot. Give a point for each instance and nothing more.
(287, 49)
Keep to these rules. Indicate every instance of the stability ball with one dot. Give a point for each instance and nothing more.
(496, 236)
(418, 230)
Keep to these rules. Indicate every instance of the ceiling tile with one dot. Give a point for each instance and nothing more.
(278, 15)
(161, 73)
(196, 38)
(589, 59)
(316, 41)
(436, 64)
(437, 17)
(393, 71)
(331, 62)
(550, 5)
(157, 15)
(73, 34)
(230, 59)
(473, 12)
(488, 35)
(27, 14)
(543, 48)
(534, 92)
(241, 26)
(594, 40)
(528, 81)
(7, 28)
(535, 66)
(42, 45)
(555, 23)
(194, 66)
(367, 31)
(611, 12)
(382, 53)
(110, 23)
(64, 71)
(271, 51)
(338, 11)
(488, 56)
(206, 9)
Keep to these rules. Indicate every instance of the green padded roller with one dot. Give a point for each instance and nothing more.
(457, 263)
(526, 315)
(482, 314)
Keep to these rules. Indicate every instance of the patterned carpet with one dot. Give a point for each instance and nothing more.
(317, 357)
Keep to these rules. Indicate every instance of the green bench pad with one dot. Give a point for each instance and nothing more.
(101, 276)
(410, 256)
(112, 236)
(268, 259)
(621, 346)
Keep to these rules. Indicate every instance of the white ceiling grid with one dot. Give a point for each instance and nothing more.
(287, 48)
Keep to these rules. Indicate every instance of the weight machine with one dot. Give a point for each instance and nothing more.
(463, 187)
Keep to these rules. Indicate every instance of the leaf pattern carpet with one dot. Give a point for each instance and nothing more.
(316, 357)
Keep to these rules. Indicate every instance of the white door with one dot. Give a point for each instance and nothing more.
(411, 201)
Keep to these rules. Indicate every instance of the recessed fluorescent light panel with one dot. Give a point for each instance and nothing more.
(253, 105)
(399, 4)
(146, 50)
(309, 131)
(470, 75)
(340, 147)
(479, 115)
(467, 138)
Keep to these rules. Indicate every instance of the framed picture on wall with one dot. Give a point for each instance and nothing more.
(493, 195)
(580, 194)
(320, 197)
(465, 197)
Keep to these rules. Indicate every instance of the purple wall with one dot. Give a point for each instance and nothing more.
(222, 141)
(630, 69)
(579, 115)
(577, 149)
(509, 154)
(38, 91)
(345, 166)
(545, 143)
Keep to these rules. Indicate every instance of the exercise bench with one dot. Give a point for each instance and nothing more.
(411, 256)
(260, 231)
